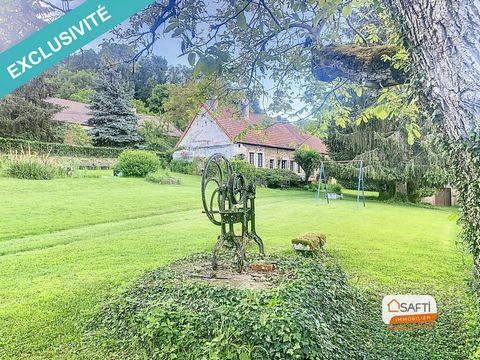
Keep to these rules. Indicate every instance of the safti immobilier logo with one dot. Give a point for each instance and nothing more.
(408, 309)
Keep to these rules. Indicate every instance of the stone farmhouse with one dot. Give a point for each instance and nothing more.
(263, 142)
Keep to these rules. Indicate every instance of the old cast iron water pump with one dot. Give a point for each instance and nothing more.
(228, 200)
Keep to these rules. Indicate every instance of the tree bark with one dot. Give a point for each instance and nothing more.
(443, 38)
(364, 65)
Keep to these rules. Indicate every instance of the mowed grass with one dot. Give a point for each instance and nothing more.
(68, 245)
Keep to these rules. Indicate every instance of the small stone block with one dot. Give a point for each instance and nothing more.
(262, 267)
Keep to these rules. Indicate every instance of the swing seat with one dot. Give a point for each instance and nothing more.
(334, 196)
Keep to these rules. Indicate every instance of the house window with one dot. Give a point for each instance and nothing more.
(272, 163)
(292, 164)
(251, 158)
(284, 164)
(260, 160)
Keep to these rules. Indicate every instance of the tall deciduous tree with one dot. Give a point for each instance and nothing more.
(113, 120)
(76, 86)
(309, 160)
(443, 39)
(158, 97)
(150, 71)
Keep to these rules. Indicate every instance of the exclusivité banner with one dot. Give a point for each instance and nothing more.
(61, 38)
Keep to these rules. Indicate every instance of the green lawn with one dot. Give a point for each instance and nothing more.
(67, 245)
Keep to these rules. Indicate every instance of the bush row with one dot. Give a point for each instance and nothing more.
(18, 145)
(26, 146)
(272, 178)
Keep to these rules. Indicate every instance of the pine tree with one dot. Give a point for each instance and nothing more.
(113, 120)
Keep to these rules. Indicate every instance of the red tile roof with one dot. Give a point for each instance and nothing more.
(260, 130)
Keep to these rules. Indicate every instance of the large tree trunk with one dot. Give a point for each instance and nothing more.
(443, 37)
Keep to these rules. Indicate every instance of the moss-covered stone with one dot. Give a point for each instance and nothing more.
(312, 242)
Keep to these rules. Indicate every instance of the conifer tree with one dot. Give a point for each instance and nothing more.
(113, 120)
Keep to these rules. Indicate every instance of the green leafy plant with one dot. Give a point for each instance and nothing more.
(183, 167)
(162, 177)
(137, 163)
(167, 315)
(75, 134)
(278, 178)
(311, 312)
(33, 168)
(244, 168)
(309, 160)
(335, 189)
(154, 138)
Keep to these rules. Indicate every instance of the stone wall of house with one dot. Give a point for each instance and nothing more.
(268, 157)
(205, 138)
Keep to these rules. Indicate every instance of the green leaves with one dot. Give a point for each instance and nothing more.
(413, 132)
(347, 10)
(171, 27)
(206, 66)
(191, 58)
(211, 62)
(300, 317)
(242, 21)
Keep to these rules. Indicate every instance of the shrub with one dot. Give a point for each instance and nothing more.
(335, 189)
(162, 177)
(154, 137)
(137, 163)
(308, 159)
(278, 178)
(244, 168)
(75, 134)
(33, 168)
(183, 167)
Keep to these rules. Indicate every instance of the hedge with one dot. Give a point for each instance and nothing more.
(7, 145)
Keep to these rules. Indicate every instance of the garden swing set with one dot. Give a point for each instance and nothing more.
(322, 179)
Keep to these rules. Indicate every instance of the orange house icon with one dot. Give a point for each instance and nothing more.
(393, 306)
